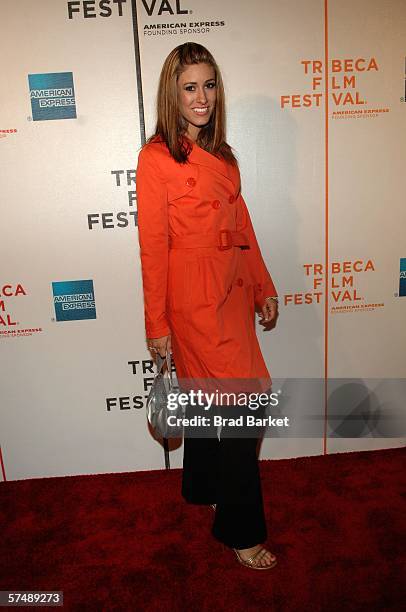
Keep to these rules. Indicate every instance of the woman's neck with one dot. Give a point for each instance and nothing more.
(192, 133)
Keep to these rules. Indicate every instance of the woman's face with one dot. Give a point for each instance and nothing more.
(196, 96)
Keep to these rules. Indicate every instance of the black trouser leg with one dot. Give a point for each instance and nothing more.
(200, 464)
(200, 461)
(239, 520)
(226, 472)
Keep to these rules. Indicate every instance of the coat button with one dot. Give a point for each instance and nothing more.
(216, 203)
(240, 282)
(259, 287)
(191, 182)
(231, 199)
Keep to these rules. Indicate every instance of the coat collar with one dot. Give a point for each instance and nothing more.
(204, 158)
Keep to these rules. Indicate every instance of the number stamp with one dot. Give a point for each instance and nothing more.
(31, 598)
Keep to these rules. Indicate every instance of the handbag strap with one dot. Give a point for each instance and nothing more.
(160, 362)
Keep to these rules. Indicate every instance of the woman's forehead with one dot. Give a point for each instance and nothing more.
(197, 72)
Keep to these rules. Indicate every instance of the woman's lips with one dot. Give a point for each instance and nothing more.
(201, 111)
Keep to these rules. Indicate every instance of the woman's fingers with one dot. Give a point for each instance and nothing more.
(272, 308)
(159, 345)
(162, 351)
(269, 310)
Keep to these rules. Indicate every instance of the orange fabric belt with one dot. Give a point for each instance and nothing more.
(223, 239)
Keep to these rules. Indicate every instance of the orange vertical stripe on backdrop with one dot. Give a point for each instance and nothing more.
(326, 244)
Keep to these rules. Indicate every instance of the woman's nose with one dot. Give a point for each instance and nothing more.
(201, 95)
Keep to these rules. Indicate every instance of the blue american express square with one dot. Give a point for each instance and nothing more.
(74, 300)
(52, 96)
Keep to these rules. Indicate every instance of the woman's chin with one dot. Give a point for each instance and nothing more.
(199, 121)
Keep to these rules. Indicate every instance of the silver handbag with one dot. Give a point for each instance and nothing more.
(157, 402)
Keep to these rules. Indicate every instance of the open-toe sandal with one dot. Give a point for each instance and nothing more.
(250, 562)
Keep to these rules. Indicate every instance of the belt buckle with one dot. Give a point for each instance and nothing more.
(229, 241)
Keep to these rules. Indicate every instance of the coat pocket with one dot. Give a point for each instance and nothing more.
(181, 279)
(211, 282)
(190, 278)
(198, 289)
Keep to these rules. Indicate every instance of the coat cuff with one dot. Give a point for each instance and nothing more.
(158, 330)
(264, 290)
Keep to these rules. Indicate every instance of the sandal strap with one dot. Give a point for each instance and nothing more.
(251, 559)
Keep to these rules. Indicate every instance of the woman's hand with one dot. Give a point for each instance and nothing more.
(269, 311)
(160, 345)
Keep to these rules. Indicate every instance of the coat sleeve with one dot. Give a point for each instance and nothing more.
(262, 281)
(153, 240)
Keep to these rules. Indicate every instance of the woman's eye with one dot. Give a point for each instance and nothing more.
(192, 87)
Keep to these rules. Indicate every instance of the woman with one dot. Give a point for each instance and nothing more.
(203, 278)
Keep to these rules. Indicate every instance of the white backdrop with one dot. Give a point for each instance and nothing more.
(321, 174)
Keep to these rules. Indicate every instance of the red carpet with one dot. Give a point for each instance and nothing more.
(129, 542)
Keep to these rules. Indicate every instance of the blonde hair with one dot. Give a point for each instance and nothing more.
(170, 125)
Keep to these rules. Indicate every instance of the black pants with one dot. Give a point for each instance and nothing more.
(225, 472)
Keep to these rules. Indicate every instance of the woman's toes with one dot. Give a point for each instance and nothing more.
(267, 559)
(262, 558)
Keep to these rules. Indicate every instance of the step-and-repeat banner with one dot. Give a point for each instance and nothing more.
(316, 112)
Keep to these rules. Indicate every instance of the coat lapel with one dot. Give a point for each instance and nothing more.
(204, 158)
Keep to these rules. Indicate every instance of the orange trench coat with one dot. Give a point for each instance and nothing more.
(205, 296)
